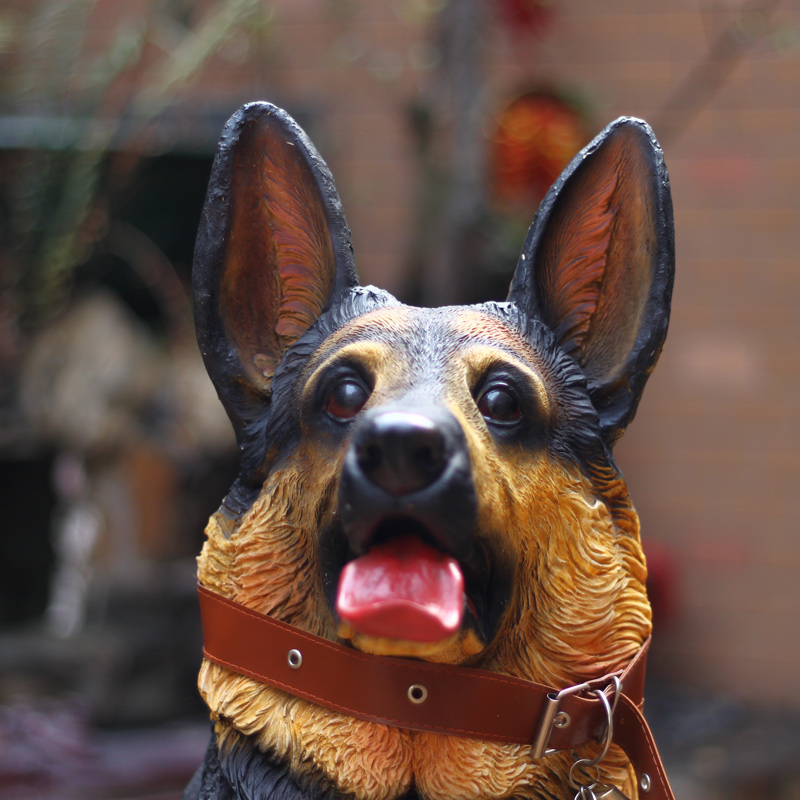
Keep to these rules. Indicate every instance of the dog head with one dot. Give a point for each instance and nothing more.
(432, 483)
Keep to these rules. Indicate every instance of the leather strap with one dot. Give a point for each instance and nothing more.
(458, 701)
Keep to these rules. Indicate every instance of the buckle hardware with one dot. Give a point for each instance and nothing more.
(548, 718)
(552, 718)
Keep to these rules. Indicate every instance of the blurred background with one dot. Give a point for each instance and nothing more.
(444, 122)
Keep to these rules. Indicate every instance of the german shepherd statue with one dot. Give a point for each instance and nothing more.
(434, 486)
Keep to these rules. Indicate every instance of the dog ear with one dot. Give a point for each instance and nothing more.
(598, 264)
(273, 251)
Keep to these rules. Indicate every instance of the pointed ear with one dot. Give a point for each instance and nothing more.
(598, 264)
(273, 251)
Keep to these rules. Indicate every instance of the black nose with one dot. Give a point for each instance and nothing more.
(401, 451)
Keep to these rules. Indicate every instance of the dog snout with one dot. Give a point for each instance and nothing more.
(401, 452)
(408, 465)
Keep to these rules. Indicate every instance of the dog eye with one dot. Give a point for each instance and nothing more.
(499, 404)
(346, 400)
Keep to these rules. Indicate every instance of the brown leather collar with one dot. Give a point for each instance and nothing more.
(421, 696)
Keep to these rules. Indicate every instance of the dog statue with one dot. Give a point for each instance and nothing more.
(426, 495)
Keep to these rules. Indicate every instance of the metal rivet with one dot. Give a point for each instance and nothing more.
(417, 693)
(295, 659)
(561, 720)
(645, 783)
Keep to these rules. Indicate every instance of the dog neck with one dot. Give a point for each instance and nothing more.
(282, 656)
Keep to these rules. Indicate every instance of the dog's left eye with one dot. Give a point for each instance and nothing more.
(346, 399)
(499, 404)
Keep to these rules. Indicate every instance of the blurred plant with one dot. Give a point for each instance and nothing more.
(750, 25)
(533, 139)
(68, 104)
(481, 174)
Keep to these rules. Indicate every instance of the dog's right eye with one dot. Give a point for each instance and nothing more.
(346, 399)
(499, 404)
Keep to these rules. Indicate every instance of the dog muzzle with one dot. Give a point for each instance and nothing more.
(444, 699)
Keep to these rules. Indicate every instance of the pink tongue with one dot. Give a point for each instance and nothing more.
(403, 589)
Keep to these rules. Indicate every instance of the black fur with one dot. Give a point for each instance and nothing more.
(254, 774)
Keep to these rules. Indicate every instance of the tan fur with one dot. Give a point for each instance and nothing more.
(578, 609)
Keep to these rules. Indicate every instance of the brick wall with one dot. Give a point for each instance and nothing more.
(713, 458)
(714, 455)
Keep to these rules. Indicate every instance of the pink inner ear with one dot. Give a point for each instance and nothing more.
(279, 264)
(573, 260)
(595, 262)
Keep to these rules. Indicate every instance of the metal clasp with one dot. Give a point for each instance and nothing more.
(548, 719)
(553, 718)
(595, 790)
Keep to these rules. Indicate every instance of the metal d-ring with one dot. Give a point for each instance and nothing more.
(608, 735)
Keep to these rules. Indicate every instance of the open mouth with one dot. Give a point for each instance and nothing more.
(405, 568)
(406, 589)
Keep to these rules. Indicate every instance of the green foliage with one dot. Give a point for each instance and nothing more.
(68, 85)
